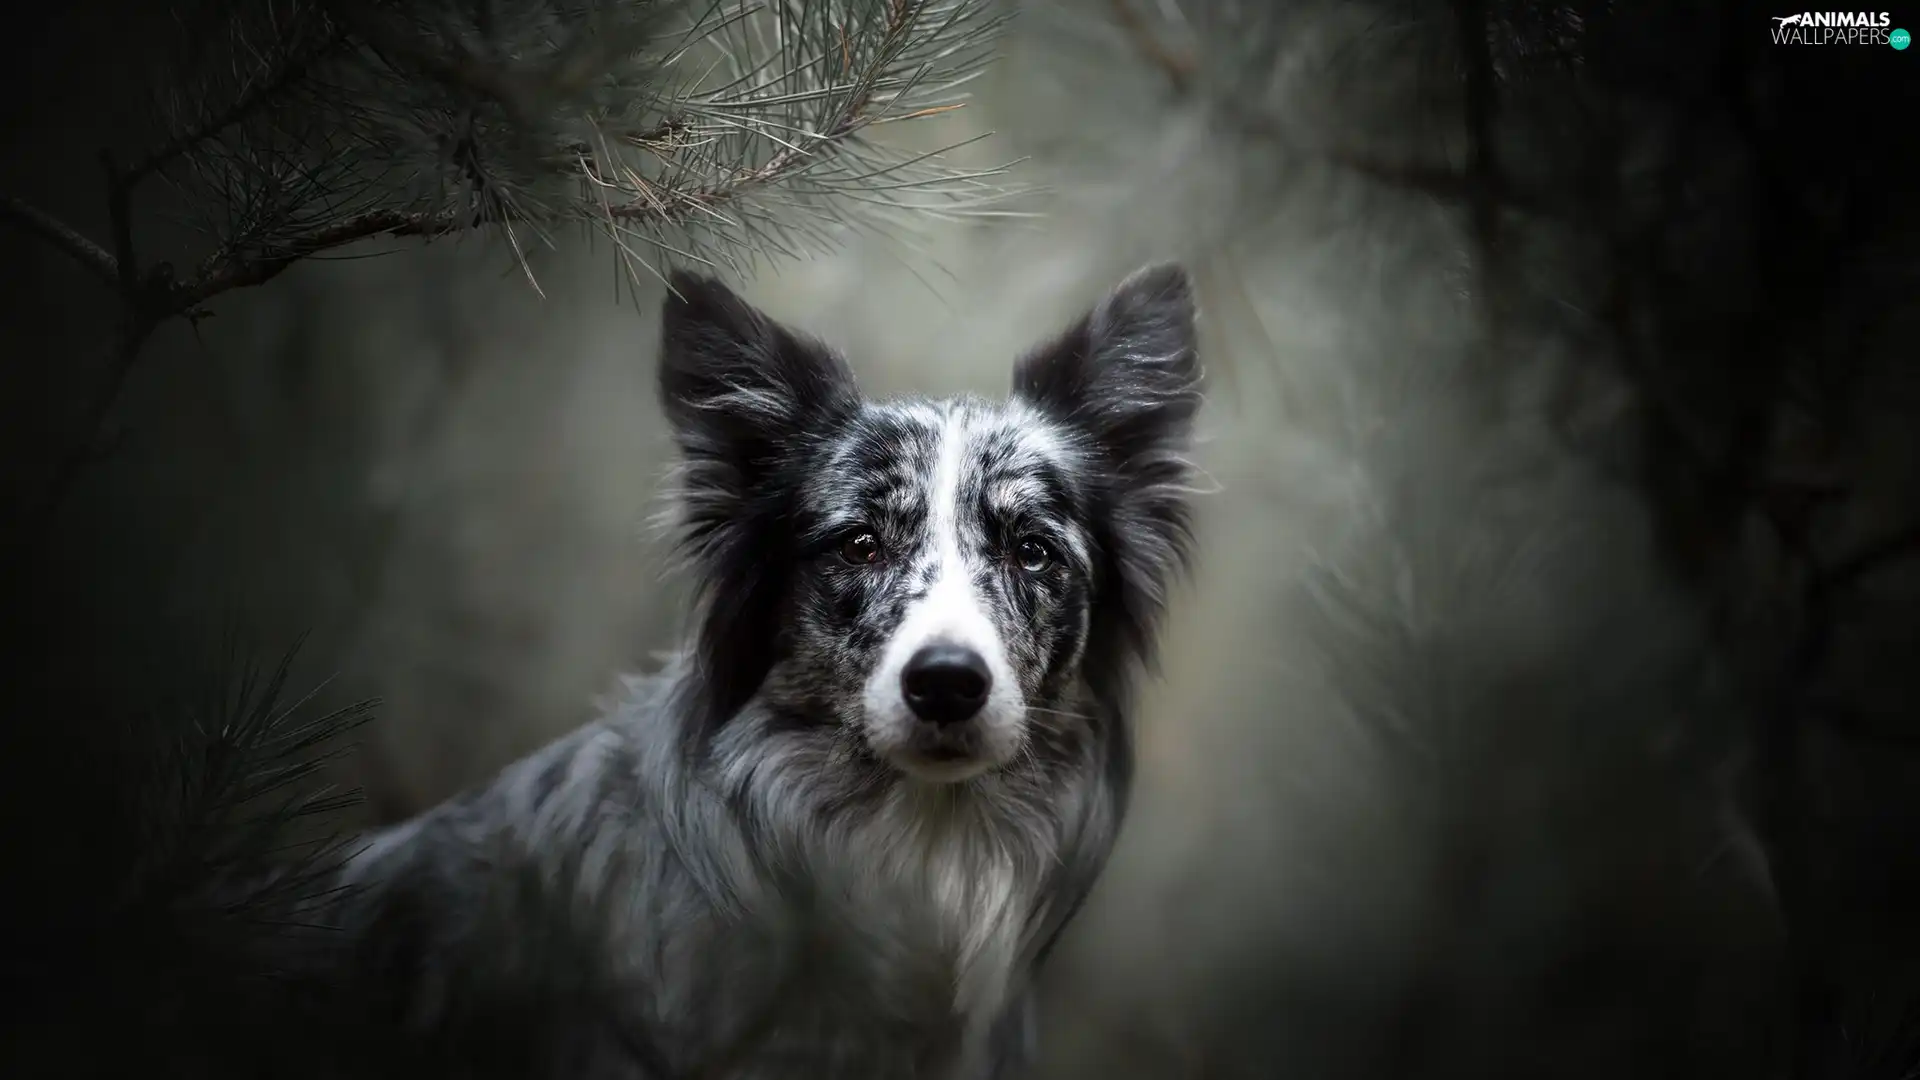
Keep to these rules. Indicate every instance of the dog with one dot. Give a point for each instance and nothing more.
(839, 832)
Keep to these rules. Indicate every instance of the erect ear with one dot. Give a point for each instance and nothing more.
(740, 391)
(742, 394)
(1126, 379)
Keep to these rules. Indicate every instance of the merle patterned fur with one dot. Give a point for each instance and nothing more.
(837, 834)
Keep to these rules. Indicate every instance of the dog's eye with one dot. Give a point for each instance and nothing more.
(1032, 555)
(860, 549)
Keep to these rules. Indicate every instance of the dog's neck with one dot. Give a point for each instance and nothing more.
(964, 863)
(967, 878)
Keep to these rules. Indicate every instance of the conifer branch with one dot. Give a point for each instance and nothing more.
(701, 130)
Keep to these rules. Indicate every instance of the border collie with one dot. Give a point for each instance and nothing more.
(837, 835)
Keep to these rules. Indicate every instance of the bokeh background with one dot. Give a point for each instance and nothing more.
(1447, 769)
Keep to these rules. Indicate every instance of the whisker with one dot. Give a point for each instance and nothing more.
(1063, 713)
(1030, 749)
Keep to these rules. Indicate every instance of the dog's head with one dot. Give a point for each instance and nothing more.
(937, 578)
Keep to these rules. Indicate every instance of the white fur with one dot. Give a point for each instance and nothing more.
(952, 612)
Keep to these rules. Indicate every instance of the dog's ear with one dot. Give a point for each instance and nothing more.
(737, 386)
(742, 394)
(1126, 378)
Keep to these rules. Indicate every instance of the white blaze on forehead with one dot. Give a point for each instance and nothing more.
(952, 611)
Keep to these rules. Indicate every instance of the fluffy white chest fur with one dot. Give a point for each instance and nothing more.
(940, 864)
(974, 900)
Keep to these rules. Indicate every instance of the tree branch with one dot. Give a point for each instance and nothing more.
(130, 337)
(90, 256)
(120, 217)
(157, 296)
(571, 71)
(653, 204)
(721, 146)
(656, 205)
(1870, 558)
(243, 106)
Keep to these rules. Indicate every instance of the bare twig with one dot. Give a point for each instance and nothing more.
(1899, 545)
(120, 217)
(90, 256)
(83, 449)
(135, 324)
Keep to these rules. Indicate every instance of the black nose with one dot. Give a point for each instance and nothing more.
(945, 684)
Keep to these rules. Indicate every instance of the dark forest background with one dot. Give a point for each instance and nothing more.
(1545, 702)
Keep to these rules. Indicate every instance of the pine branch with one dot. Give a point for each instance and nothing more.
(255, 98)
(181, 873)
(649, 205)
(572, 70)
(702, 131)
(643, 203)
